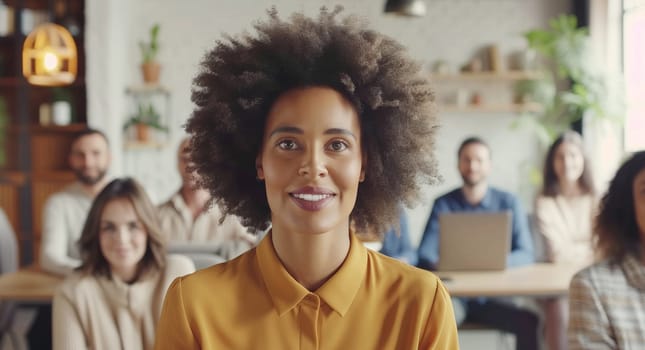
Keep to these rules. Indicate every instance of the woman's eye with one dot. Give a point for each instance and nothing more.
(107, 229)
(287, 145)
(337, 146)
(133, 226)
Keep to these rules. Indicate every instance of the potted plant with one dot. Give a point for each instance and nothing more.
(145, 118)
(150, 67)
(573, 87)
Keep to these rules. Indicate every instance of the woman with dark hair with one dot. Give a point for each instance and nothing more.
(114, 299)
(305, 127)
(564, 212)
(607, 299)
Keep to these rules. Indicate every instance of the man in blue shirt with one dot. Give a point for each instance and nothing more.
(477, 196)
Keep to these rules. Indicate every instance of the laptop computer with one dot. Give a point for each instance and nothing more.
(474, 240)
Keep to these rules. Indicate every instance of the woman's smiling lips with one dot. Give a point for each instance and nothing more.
(311, 198)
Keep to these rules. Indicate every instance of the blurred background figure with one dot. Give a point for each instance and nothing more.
(564, 212)
(187, 217)
(477, 195)
(115, 298)
(396, 242)
(607, 299)
(65, 211)
(8, 263)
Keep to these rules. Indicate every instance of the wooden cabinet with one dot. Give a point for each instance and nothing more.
(36, 153)
(482, 92)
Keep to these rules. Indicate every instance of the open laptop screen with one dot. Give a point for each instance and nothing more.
(474, 240)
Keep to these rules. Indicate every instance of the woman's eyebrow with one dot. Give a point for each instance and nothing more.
(295, 130)
(286, 129)
(333, 131)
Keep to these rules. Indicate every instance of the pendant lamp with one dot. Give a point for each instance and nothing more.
(49, 56)
(414, 8)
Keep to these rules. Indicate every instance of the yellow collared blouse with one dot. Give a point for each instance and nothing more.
(252, 302)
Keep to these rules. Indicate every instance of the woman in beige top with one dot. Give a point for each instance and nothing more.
(564, 213)
(114, 299)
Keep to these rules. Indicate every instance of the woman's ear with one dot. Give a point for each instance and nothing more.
(363, 166)
(259, 172)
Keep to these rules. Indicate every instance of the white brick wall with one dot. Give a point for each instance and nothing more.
(453, 30)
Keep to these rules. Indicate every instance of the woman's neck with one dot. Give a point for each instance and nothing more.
(570, 189)
(311, 259)
(127, 276)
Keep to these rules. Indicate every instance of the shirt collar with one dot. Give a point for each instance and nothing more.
(178, 201)
(338, 292)
(485, 203)
(77, 188)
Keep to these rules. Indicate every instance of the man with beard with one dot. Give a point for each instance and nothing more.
(186, 217)
(477, 196)
(65, 211)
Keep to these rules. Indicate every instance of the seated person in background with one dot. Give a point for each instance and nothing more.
(474, 161)
(607, 299)
(396, 242)
(114, 300)
(564, 212)
(185, 217)
(8, 264)
(65, 211)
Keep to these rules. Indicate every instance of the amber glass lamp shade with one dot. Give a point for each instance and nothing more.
(49, 56)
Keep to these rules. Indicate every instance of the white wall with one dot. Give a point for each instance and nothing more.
(453, 30)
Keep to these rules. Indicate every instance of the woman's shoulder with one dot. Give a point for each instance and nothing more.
(598, 273)
(78, 284)
(392, 271)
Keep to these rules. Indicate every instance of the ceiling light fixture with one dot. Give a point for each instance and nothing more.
(49, 56)
(414, 8)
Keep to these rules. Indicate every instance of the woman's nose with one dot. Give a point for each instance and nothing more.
(122, 234)
(313, 164)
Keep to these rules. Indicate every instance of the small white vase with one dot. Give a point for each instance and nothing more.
(61, 113)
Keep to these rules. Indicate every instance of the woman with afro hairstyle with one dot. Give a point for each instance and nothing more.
(607, 299)
(307, 126)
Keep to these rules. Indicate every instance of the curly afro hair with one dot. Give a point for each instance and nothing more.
(241, 77)
(616, 228)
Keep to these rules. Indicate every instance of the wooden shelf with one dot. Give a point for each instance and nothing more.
(75, 127)
(484, 108)
(11, 82)
(488, 75)
(15, 177)
(138, 145)
(145, 89)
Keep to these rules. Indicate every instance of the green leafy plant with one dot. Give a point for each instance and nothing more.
(61, 94)
(573, 87)
(150, 49)
(146, 115)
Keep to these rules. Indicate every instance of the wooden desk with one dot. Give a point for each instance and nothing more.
(29, 284)
(537, 280)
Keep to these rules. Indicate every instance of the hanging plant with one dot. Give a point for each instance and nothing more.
(573, 86)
